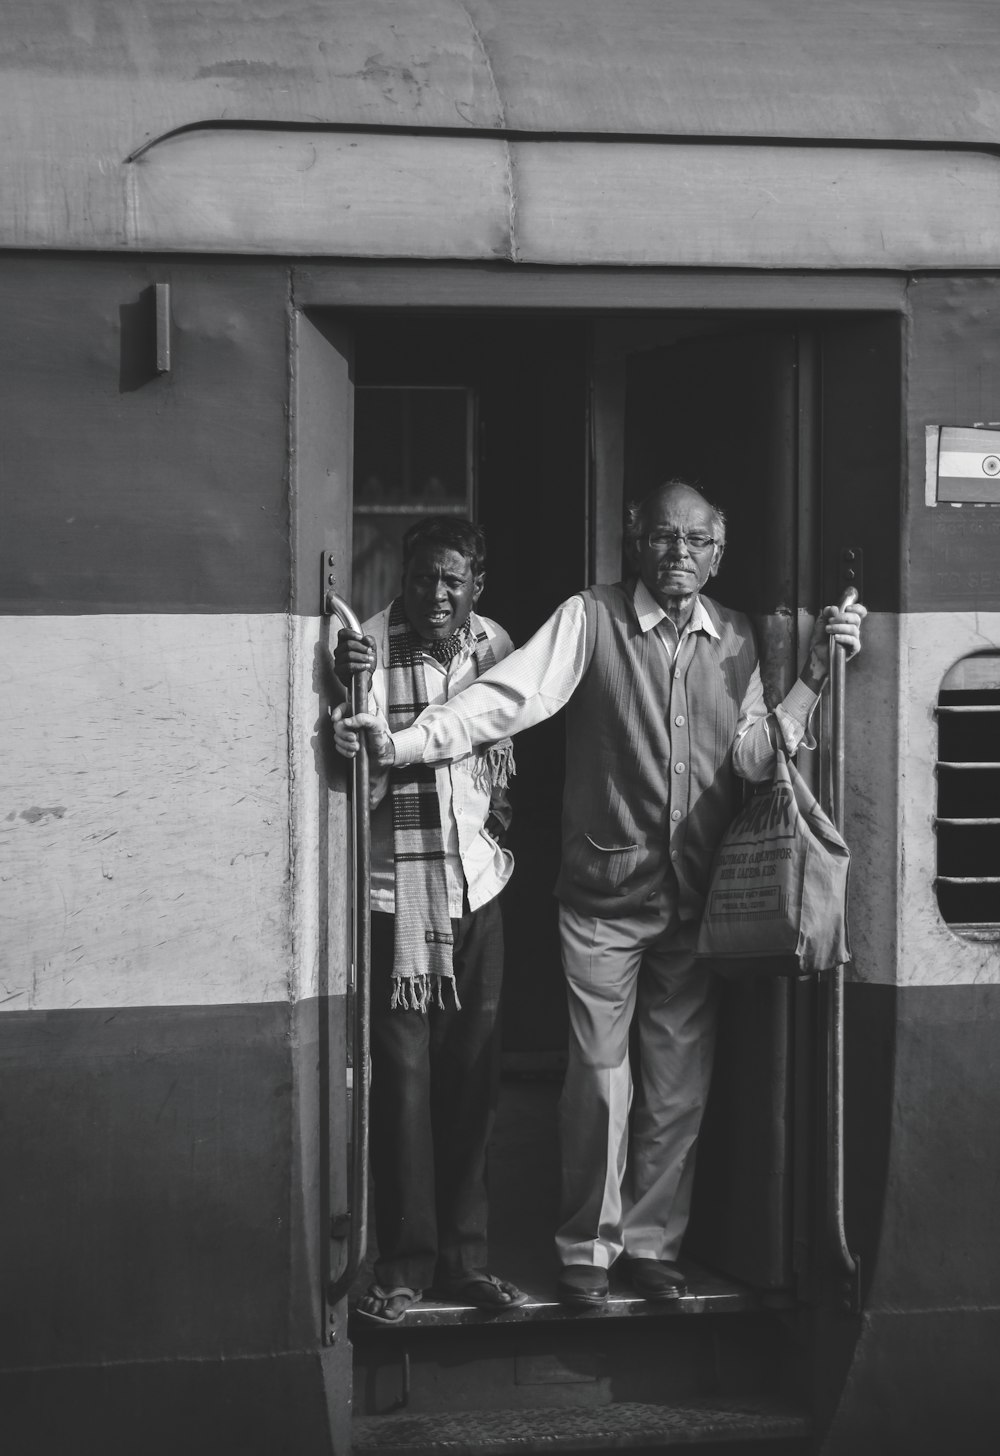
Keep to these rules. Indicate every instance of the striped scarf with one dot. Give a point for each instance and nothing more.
(423, 929)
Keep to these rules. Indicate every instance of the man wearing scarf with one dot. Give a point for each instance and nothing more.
(665, 713)
(438, 866)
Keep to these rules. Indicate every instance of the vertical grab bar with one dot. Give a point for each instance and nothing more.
(360, 1033)
(846, 1264)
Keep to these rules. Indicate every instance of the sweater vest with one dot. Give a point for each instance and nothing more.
(650, 784)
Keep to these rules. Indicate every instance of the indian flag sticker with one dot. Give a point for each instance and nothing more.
(968, 466)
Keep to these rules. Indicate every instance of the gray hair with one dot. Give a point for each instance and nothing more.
(635, 512)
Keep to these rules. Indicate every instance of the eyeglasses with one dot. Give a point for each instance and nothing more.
(660, 540)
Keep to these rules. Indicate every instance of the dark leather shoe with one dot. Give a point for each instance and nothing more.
(583, 1286)
(654, 1279)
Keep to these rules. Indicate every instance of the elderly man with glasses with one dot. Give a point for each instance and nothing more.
(665, 712)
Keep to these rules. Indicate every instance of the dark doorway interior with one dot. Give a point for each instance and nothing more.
(527, 380)
(784, 425)
(722, 411)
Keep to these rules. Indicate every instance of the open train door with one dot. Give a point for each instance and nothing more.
(330, 864)
(731, 411)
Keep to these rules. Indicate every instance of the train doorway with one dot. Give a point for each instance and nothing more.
(541, 426)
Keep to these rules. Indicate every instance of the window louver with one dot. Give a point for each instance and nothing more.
(968, 797)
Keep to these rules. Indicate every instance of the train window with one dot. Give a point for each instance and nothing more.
(968, 797)
(413, 456)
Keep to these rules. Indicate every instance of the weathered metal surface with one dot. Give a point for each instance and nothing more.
(166, 833)
(85, 87)
(905, 69)
(479, 285)
(897, 931)
(354, 194)
(127, 490)
(928, 952)
(572, 202)
(951, 559)
(621, 1426)
(767, 206)
(922, 1181)
(144, 829)
(569, 202)
(179, 1147)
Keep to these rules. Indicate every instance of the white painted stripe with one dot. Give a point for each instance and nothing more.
(968, 465)
(897, 933)
(150, 838)
(321, 817)
(164, 814)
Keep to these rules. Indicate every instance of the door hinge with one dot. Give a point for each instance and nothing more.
(852, 569)
(329, 581)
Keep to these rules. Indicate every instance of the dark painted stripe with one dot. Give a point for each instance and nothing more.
(164, 1175)
(921, 1384)
(938, 1246)
(125, 490)
(951, 555)
(261, 1406)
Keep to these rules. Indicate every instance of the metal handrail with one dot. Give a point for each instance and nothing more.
(846, 1263)
(360, 1032)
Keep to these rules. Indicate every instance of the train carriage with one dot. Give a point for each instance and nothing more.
(277, 279)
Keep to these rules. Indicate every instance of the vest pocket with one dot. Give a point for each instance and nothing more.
(603, 866)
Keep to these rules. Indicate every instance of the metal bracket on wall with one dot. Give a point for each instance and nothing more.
(329, 592)
(162, 298)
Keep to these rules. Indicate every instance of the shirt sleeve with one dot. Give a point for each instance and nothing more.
(754, 748)
(501, 642)
(531, 684)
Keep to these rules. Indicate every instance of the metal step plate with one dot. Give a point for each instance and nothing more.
(614, 1427)
(708, 1293)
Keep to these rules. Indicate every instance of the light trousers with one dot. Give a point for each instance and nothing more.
(623, 1194)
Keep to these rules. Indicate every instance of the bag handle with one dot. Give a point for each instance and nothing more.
(848, 1269)
(838, 696)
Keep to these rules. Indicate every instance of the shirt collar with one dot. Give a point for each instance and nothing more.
(650, 614)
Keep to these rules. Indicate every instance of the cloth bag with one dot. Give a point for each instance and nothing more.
(778, 888)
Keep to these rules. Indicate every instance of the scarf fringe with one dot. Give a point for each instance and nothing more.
(419, 993)
(495, 767)
(422, 960)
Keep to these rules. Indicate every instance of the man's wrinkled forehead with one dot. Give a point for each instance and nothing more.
(677, 505)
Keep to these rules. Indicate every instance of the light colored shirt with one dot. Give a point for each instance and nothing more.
(474, 862)
(538, 679)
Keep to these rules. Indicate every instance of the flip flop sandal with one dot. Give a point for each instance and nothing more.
(391, 1304)
(486, 1291)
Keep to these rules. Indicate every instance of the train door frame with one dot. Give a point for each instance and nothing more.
(325, 299)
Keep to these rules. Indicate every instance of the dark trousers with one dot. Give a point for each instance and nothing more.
(435, 1079)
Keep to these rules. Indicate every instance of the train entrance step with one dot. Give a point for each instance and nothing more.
(641, 1370)
(708, 1293)
(711, 1426)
